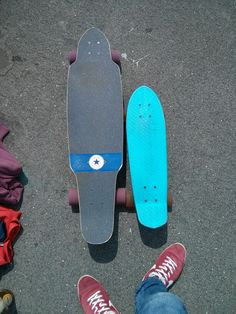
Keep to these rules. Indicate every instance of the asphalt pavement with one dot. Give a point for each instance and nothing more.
(185, 50)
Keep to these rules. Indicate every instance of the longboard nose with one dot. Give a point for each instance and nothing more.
(93, 45)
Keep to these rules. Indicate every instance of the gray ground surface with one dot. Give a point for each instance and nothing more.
(186, 51)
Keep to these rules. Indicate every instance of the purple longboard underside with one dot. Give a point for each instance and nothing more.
(95, 131)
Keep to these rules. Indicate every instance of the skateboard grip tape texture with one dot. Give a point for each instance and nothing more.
(95, 131)
(97, 195)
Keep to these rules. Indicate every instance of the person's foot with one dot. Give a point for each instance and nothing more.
(169, 264)
(93, 297)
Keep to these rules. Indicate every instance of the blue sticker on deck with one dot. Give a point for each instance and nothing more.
(95, 162)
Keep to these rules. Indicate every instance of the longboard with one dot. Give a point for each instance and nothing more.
(95, 133)
(147, 151)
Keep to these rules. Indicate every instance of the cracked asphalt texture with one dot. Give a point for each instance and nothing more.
(185, 50)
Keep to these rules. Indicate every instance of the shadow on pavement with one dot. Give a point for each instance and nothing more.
(12, 309)
(6, 269)
(154, 238)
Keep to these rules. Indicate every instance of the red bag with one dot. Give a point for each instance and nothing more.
(13, 226)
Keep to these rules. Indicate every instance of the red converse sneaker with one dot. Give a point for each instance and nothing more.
(169, 264)
(93, 297)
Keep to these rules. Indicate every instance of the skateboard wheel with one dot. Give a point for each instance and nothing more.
(170, 200)
(73, 197)
(116, 56)
(72, 56)
(129, 200)
(121, 196)
(124, 197)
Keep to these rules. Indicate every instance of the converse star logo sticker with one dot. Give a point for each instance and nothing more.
(96, 162)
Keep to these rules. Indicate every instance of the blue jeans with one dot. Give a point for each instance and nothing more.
(152, 297)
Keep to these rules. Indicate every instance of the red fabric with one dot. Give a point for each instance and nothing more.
(13, 226)
(10, 168)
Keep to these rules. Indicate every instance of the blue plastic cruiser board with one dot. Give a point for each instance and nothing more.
(95, 132)
(147, 150)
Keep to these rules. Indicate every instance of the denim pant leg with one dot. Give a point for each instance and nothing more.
(152, 297)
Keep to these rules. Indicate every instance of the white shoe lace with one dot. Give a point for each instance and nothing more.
(98, 304)
(164, 271)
